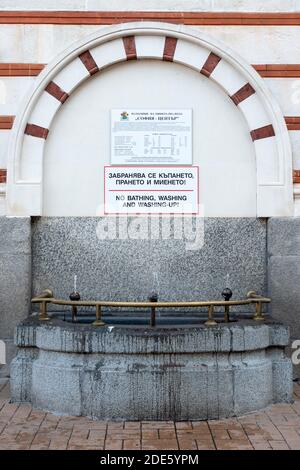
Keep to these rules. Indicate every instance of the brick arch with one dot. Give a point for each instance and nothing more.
(164, 42)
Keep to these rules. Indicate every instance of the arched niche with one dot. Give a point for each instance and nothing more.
(177, 46)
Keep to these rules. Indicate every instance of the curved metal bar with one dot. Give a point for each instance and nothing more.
(252, 298)
(94, 303)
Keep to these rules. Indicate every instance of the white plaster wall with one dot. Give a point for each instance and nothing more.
(4, 138)
(12, 91)
(78, 145)
(295, 141)
(153, 5)
(260, 44)
(38, 43)
(287, 93)
(257, 44)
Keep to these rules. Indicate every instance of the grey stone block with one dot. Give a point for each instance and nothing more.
(15, 236)
(25, 332)
(284, 289)
(284, 236)
(284, 270)
(21, 374)
(282, 369)
(234, 253)
(15, 272)
(246, 337)
(56, 384)
(252, 384)
(279, 334)
(14, 292)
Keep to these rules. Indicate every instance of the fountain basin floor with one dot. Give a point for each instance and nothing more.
(137, 372)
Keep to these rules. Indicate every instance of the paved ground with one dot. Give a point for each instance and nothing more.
(22, 427)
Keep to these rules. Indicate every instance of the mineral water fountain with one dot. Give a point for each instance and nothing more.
(169, 317)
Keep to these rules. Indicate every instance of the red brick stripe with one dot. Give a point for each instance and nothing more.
(169, 49)
(55, 91)
(36, 131)
(179, 17)
(129, 46)
(293, 123)
(262, 132)
(210, 64)
(242, 94)
(6, 122)
(20, 70)
(89, 63)
(3, 174)
(296, 176)
(278, 70)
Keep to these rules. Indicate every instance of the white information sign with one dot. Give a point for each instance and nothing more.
(151, 190)
(151, 136)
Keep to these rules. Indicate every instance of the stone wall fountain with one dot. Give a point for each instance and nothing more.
(197, 359)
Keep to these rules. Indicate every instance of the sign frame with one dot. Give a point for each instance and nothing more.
(155, 213)
(140, 135)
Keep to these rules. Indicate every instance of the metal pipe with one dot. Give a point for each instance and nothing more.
(74, 296)
(258, 312)
(259, 300)
(211, 321)
(153, 298)
(226, 294)
(74, 313)
(99, 321)
(43, 316)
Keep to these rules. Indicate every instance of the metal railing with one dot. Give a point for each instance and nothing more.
(47, 297)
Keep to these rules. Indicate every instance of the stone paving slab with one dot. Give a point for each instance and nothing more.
(23, 428)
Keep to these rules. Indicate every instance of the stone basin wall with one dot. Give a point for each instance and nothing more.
(142, 373)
